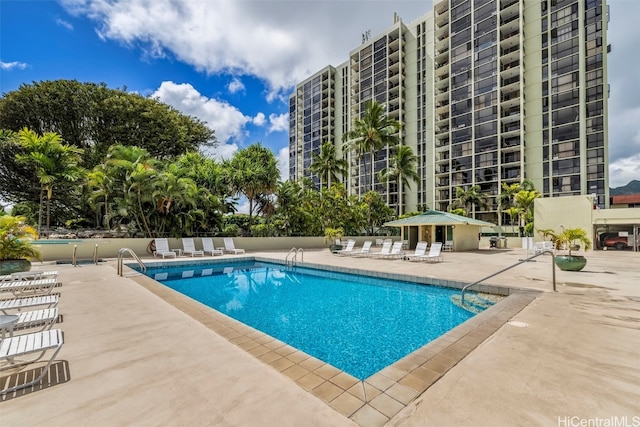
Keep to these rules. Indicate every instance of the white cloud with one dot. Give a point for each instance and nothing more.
(279, 123)
(227, 121)
(283, 163)
(61, 22)
(13, 65)
(280, 42)
(236, 85)
(259, 119)
(624, 171)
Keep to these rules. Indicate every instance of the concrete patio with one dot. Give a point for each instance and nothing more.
(132, 357)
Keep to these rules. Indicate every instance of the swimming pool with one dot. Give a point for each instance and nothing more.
(358, 324)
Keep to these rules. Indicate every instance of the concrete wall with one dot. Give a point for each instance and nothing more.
(62, 250)
(567, 212)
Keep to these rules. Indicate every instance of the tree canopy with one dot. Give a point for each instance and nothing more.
(93, 117)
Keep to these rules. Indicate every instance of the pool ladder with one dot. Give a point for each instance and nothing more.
(546, 251)
(121, 253)
(294, 256)
(74, 255)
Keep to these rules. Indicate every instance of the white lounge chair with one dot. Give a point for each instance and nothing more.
(385, 250)
(434, 254)
(24, 302)
(348, 249)
(22, 345)
(29, 287)
(421, 250)
(448, 246)
(208, 247)
(545, 246)
(45, 318)
(189, 247)
(394, 252)
(364, 251)
(230, 246)
(29, 275)
(162, 248)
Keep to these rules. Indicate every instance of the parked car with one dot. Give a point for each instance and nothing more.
(618, 242)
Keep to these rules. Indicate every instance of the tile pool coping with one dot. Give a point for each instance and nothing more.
(375, 400)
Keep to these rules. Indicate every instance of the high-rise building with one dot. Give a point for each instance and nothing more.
(488, 92)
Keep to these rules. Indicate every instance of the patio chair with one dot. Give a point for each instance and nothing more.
(27, 344)
(448, 246)
(207, 247)
(189, 247)
(29, 287)
(364, 251)
(394, 252)
(230, 246)
(44, 318)
(434, 254)
(348, 249)
(162, 248)
(421, 249)
(25, 302)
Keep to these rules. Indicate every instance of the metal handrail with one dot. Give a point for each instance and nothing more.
(121, 253)
(546, 251)
(74, 257)
(294, 258)
(95, 254)
(286, 259)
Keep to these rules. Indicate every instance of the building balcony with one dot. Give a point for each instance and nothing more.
(510, 25)
(508, 12)
(510, 118)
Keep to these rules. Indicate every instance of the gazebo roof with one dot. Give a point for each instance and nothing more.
(434, 217)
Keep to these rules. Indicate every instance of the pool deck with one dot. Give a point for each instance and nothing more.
(136, 355)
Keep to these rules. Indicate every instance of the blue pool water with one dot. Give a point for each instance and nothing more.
(356, 323)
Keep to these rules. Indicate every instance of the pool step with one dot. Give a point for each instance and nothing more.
(475, 303)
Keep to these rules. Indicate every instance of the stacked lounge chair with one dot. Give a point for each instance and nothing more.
(21, 344)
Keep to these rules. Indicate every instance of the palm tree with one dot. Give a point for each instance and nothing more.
(513, 213)
(371, 133)
(100, 186)
(174, 195)
(506, 198)
(524, 200)
(253, 171)
(132, 170)
(402, 169)
(54, 162)
(326, 165)
(471, 198)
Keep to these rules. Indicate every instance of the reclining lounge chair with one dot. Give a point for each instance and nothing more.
(230, 246)
(207, 247)
(162, 248)
(189, 247)
(22, 345)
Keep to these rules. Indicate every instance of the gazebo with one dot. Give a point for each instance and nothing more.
(437, 226)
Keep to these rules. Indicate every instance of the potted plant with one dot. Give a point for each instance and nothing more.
(15, 244)
(332, 236)
(568, 240)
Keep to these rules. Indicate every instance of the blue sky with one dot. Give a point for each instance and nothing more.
(233, 64)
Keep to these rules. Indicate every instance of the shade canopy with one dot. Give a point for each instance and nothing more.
(434, 217)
